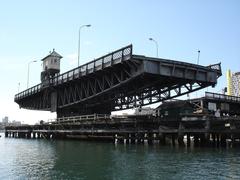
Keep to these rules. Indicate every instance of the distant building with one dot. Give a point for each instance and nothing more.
(5, 120)
(233, 82)
(16, 123)
(144, 111)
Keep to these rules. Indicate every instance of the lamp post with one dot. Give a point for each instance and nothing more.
(156, 43)
(79, 36)
(198, 64)
(18, 87)
(28, 71)
(198, 56)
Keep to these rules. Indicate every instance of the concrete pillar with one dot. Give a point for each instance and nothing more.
(173, 140)
(196, 140)
(180, 141)
(127, 137)
(29, 135)
(218, 140)
(150, 138)
(20, 135)
(53, 135)
(203, 140)
(233, 140)
(223, 140)
(214, 139)
(38, 135)
(188, 140)
(6, 134)
(140, 138)
(162, 139)
(133, 138)
(120, 139)
(47, 135)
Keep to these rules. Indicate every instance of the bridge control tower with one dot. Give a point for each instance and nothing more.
(51, 66)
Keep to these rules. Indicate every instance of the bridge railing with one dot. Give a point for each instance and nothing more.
(76, 119)
(28, 92)
(222, 97)
(108, 60)
(217, 68)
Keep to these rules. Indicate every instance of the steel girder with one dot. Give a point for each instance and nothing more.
(96, 89)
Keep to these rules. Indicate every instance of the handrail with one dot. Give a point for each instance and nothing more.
(222, 97)
(216, 67)
(75, 119)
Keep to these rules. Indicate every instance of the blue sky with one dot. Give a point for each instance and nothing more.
(30, 29)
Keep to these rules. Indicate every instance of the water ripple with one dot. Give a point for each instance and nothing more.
(43, 159)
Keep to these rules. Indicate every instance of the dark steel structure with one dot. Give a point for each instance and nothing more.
(227, 105)
(119, 80)
(208, 105)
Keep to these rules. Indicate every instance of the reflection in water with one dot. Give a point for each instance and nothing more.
(43, 159)
(24, 159)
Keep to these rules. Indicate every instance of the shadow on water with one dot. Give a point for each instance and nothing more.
(68, 159)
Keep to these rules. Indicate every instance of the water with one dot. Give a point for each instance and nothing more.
(67, 159)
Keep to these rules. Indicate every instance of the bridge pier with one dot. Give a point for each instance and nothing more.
(188, 140)
(180, 141)
(29, 135)
(133, 138)
(34, 135)
(223, 140)
(150, 137)
(127, 137)
(162, 139)
(196, 140)
(173, 140)
(140, 138)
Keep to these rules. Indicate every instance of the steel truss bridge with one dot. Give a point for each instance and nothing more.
(117, 81)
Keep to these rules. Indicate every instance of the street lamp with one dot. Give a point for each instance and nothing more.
(151, 39)
(18, 87)
(28, 71)
(198, 64)
(198, 56)
(79, 36)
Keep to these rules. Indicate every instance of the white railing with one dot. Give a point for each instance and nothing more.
(77, 119)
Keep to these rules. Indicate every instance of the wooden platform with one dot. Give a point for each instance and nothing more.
(195, 130)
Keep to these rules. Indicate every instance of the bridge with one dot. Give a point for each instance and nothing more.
(117, 81)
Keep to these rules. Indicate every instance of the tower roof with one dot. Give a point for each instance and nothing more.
(53, 54)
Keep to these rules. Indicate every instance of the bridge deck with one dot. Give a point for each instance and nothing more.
(116, 81)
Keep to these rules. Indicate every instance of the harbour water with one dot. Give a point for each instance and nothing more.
(71, 159)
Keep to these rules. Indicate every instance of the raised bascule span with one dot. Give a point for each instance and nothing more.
(117, 81)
